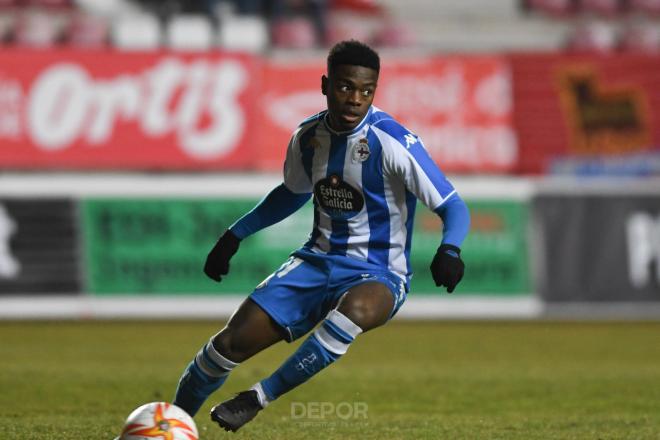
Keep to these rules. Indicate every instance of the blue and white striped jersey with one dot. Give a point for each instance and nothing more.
(366, 183)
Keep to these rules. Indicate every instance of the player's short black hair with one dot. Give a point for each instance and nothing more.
(353, 53)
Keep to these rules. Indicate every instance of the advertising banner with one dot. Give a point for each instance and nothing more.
(598, 247)
(149, 246)
(460, 106)
(70, 109)
(112, 110)
(581, 114)
(38, 247)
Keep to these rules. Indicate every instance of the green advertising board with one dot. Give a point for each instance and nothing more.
(158, 246)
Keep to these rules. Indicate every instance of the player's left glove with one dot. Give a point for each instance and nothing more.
(447, 267)
(217, 262)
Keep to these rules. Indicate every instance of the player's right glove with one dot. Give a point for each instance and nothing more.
(217, 261)
(447, 267)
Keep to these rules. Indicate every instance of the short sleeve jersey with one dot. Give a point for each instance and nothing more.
(366, 183)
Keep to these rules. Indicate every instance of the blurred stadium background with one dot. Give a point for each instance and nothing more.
(132, 132)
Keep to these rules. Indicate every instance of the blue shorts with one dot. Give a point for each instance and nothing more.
(307, 286)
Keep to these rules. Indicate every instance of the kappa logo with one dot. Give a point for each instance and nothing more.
(411, 140)
(361, 151)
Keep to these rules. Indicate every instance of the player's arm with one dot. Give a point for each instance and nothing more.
(278, 204)
(447, 267)
(275, 207)
(407, 158)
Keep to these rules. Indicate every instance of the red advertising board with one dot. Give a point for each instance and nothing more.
(105, 109)
(67, 109)
(291, 93)
(460, 106)
(585, 108)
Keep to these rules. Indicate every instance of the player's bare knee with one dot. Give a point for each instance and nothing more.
(365, 318)
(221, 343)
(226, 344)
(367, 307)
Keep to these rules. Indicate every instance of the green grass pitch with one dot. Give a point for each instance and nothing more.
(408, 380)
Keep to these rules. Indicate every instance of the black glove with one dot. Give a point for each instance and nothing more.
(447, 267)
(217, 262)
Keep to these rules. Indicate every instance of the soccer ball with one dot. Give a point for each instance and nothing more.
(159, 420)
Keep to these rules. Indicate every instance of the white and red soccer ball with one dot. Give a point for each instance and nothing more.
(159, 420)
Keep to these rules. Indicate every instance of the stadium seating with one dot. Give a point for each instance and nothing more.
(137, 32)
(557, 8)
(247, 33)
(641, 38)
(7, 21)
(37, 28)
(592, 36)
(343, 25)
(449, 26)
(294, 33)
(88, 31)
(645, 7)
(107, 8)
(394, 34)
(604, 8)
(189, 32)
(477, 25)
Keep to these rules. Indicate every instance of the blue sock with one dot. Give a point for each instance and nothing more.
(328, 342)
(204, 375)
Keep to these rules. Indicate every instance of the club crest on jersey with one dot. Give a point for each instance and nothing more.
(361, 151)
(337, 198)
(314, 143)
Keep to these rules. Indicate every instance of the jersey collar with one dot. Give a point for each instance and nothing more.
(348, 132)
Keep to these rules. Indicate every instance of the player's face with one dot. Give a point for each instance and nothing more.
(349, 91)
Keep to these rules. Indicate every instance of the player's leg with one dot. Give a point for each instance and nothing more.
(295, 296)
(364, 307)
(248, 331)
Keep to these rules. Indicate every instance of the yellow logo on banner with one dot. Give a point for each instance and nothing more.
(603, 118)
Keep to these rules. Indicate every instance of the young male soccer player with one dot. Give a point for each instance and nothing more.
(366, 173)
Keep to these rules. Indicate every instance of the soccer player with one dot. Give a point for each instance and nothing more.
(365, 172)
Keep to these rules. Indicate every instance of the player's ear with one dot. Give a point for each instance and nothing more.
(324, 84)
